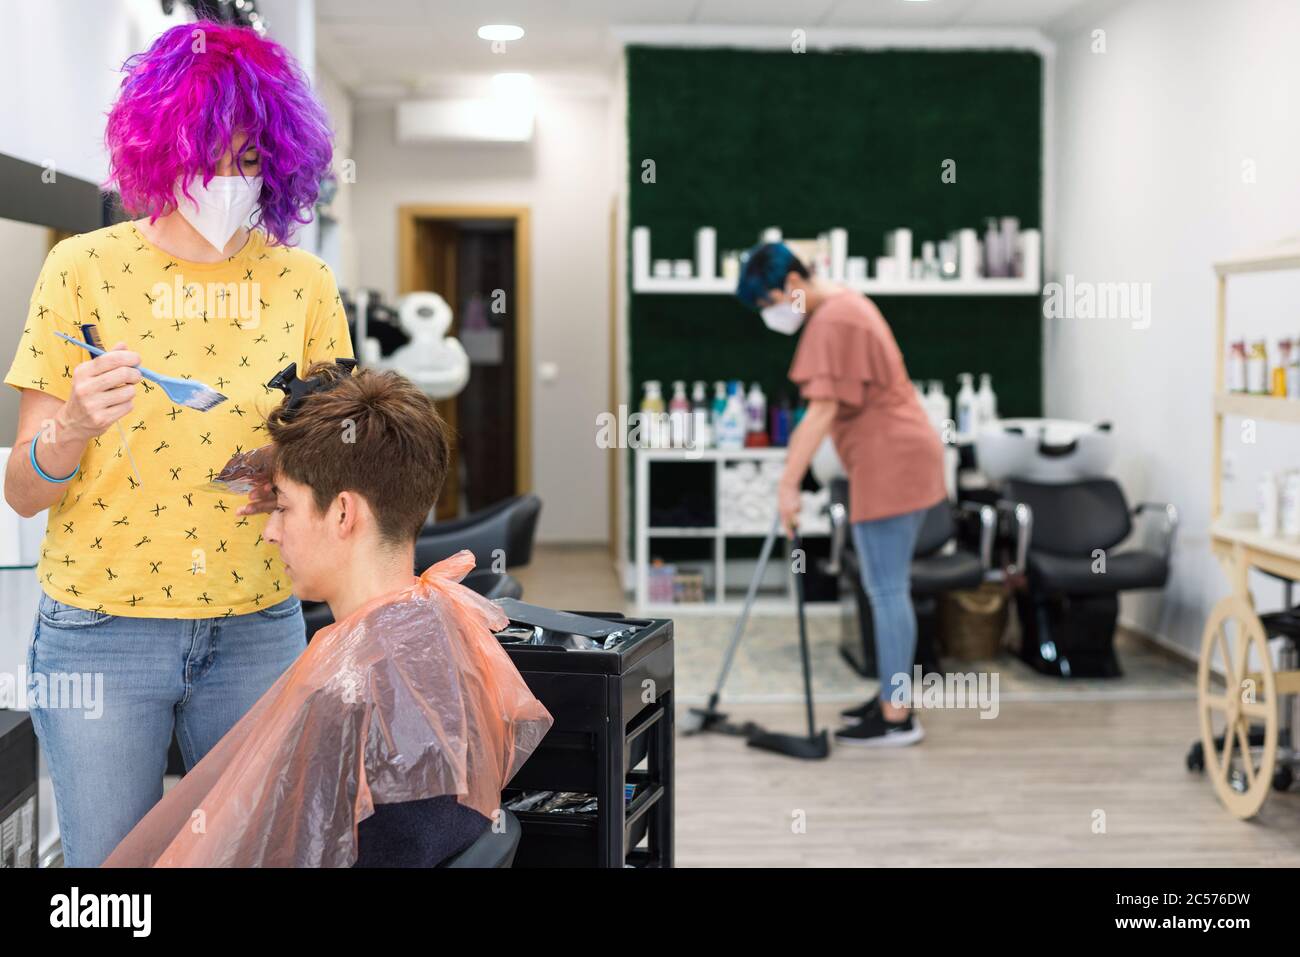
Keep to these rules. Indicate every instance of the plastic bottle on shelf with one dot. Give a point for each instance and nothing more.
(987, 400)
(994, 260)
(719, 404)
(679, 410)
(1257, 368)
(823, 258)
(652, 398)
(755, 418)
(731, 428)
(652, 410)
(938, 404)
(1237, 366)
(700, 437)
(1268, 505)
(967, 407)
(1293, 371)
(781, 422)
(1278, 378)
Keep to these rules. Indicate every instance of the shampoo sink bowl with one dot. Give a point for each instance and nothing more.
(1044, 450)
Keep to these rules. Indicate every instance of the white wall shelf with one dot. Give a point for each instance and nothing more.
(707, 283)
(1257, 406)
(1019, 286)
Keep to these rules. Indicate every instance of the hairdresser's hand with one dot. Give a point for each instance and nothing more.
(103, 390)
(788, 504)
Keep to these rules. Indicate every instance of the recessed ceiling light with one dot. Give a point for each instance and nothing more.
(504, 32)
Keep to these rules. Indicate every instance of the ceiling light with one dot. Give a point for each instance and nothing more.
(503, 32)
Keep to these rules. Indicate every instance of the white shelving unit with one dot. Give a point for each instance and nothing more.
(717, 460)
(1235, 644)
(707, 285)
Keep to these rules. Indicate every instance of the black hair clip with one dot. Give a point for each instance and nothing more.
(295, 389)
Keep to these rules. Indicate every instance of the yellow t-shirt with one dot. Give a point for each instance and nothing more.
(170, 545)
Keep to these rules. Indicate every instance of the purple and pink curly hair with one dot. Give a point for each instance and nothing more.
(187, 98)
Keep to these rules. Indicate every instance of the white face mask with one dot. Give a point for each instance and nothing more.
(221, 207)
(782, 318)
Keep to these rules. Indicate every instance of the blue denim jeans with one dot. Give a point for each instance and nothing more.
(884, 548)
(105, 693)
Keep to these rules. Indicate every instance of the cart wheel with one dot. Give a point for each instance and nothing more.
(1283, 778)
(1234, 645)
(1196, 757)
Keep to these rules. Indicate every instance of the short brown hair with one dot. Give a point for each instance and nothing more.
(373, 433)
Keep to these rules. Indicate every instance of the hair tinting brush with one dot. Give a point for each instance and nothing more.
(186, 392)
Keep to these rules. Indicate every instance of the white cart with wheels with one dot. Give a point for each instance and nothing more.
(1240, 691)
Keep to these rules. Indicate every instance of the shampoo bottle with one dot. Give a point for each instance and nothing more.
(756, 418)
(987, 400)
(700, 437)
(679, 410)
(967, 407)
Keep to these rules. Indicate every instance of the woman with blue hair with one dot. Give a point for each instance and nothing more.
(850, 370)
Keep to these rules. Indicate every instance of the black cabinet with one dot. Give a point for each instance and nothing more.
(612, 739)
(19, 801)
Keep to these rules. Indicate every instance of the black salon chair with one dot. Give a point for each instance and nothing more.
(493, 848)
(417, 834)
(953, 552)
(1076, 570)
(500, 536)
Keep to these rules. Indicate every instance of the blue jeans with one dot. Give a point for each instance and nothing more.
(105, 693)
(884, 548)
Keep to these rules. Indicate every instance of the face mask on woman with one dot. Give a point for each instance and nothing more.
(221, 207)
(783, 318)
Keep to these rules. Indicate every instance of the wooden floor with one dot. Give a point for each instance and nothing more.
(1022, 789)
(1031, 787)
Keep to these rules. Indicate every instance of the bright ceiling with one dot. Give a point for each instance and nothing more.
(380, 47)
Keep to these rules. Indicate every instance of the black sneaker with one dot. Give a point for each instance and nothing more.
(874, 731)
(872, 706)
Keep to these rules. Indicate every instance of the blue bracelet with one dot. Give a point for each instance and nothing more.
(41, 472)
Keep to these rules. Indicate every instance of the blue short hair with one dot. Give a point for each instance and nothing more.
(765, 269)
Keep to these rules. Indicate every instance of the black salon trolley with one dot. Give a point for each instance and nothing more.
(19, 799)
(613, 710)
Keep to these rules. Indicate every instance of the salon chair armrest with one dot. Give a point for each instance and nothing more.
(987, 517)
(1020, 518)
(1169, 514)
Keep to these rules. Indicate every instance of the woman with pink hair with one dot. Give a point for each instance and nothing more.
(163, 610)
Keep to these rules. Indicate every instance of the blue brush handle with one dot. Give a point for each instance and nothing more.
(95, 351)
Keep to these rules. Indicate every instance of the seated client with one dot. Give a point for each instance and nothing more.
(388, 741)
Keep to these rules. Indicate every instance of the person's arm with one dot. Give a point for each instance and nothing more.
(804, 442)
(103, 390)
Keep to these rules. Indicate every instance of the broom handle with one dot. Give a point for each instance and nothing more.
(796, 543)
(744, 614)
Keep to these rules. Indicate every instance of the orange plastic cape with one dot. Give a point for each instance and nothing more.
(409, 697)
